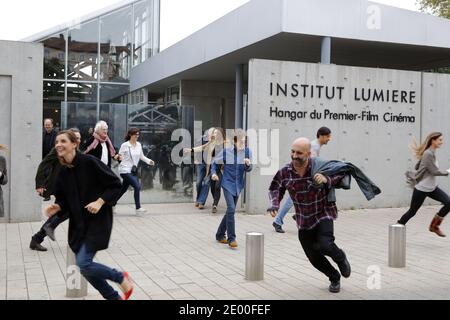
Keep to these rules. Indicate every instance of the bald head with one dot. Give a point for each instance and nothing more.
(300, 151)
(302, 143)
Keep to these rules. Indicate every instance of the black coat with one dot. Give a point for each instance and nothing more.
(97, 152)
(75, 188)
(48, 142)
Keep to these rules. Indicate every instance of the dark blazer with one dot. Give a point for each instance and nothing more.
(75, 188)
(97, 152)
(50, 143)
(47, 172)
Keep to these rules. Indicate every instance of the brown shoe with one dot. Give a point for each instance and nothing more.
(224, 241)
(233, 244)
(434, 226)
(214, 209)
(201, 207)
(197, 204)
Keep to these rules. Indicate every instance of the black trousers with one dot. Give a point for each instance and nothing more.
(318, 243)
(53, 222)
(418, 197)
(216, 188)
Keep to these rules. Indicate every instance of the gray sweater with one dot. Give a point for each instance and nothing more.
(425, 168)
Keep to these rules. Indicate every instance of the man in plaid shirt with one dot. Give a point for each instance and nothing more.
(314, 214)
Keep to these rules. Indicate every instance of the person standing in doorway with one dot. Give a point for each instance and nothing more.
(315, 213)
(100, 146)
(236, 161)
(425, 182)
(87, 189)
(323, 137)
(3, 179)
(131, 153)
(45, 188)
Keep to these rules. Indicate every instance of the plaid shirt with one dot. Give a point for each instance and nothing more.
(310, 202)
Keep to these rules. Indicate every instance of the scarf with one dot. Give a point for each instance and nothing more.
(97, 140)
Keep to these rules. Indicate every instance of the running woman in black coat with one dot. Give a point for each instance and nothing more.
(87, 189)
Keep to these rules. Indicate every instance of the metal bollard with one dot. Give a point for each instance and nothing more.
(76, 284)
(397, 246)
(254, 256)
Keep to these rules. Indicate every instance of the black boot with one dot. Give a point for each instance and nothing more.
(344, 267)
(335, 286)
(34, 245)
(278, 227)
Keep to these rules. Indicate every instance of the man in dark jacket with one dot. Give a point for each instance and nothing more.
(48, 137)
(45, 180)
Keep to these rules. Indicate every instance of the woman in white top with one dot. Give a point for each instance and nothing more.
(131, 153)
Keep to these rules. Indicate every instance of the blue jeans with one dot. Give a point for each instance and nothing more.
(283, 211)
(129, 179)
(201, 173)
(227, 225)
(97, 274)
(214, 186)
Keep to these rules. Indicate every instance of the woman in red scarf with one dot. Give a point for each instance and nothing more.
(100, 146)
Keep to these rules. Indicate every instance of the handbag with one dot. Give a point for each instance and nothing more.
(134, 169)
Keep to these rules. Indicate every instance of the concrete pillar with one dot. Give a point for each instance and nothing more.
(254, 256)
(76, 284)
(239, 104)
(326, 50)
(397, 246)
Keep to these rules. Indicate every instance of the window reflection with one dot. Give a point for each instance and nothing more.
(83, 52)
(115, 44)
(142, 32)
(54, 56)
(53, 94)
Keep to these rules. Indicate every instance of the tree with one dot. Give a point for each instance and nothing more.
(439, 8)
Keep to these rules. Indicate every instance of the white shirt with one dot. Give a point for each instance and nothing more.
(104, 158)
(315, 148)
(128, 161)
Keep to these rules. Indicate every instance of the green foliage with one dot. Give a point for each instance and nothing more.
(439, 8)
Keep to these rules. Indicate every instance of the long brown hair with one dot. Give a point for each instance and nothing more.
(3, 147)
(419, 149)
(72, 138)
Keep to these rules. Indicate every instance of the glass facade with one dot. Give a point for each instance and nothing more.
(87, 71)
(90, 63)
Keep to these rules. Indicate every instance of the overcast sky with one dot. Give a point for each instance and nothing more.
(179, 18)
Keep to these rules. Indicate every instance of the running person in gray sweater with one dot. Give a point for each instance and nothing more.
(425, 184)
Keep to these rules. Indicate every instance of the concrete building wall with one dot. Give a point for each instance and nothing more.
(213, 102)
(436, 115)
(380, 147)
(21, 125)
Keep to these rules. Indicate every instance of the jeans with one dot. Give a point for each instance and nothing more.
(318, 243)
(52, 222)
(97, 274)
(418, 197)
(201, 173)
(283, 211)
(129, 179)
(215, 190)
(227, 224)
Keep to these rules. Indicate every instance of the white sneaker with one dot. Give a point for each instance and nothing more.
(141, 210)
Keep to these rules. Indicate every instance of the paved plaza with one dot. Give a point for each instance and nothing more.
(171, 253)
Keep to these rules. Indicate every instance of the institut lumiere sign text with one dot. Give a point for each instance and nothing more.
(298, 92)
